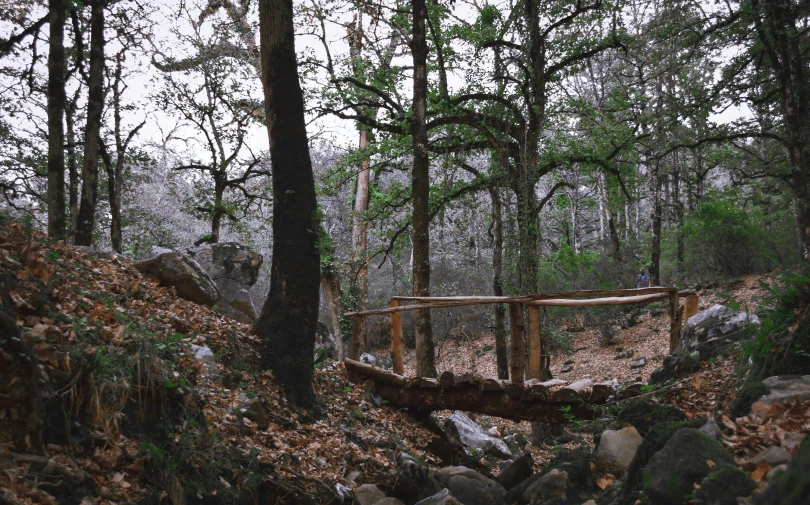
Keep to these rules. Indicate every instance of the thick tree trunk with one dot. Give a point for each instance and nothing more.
(289, 317)
(501, 350)
(425, 366)
(56, 111)
(95, 105)
(528, 236)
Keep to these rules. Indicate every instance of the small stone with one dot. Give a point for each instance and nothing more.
(368, 494)
(638, 363)
(254, 410)
(711, 429)
(773, 456)
(617, 448)
(566, 369)
(368, 359)
(512, 443)
(443, 497)
(792, 442)
(517, 472)
(569, 362)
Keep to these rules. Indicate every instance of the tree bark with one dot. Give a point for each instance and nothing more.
(56, 111)
(73, 171)
(288, 320)
(425, 356)
(330, 283)
(95, 105)
(358, 281)
(497, 287)
(655, 250)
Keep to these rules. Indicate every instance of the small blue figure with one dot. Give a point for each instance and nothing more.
(643, 280)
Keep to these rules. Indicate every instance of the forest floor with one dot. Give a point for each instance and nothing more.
(145, 422)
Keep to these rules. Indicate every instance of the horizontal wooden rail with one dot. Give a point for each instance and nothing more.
(437, 302)
(593, 302)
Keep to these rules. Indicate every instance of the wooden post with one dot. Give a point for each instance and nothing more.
(396, 339)
(517, 365)
(357, 338)
(535, 343)
(691, 307)
(674, 321)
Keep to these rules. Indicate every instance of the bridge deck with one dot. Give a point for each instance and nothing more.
(533, 400)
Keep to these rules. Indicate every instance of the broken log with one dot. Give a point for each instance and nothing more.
(601, 391)
(358, 372)
(579, 391)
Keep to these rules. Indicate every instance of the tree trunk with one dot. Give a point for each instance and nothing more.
(780, 33)
(216, 218)
(95, 105)
(116, 185)
(425, 366)
(56, 111)
(358, 280)
(73, 171)
(330, 284)
(501, 350)
(288, 320)
(655, 252)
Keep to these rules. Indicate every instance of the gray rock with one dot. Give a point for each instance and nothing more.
(715, 325)
(773, 456)
(206, 356)
(566, 369)
(675, 366)
(685, 460)
(184, 274)
(465, 431)
(773, 472)
(368, 494)
(520, 470)
(554, 483)
(368, 359)
(712, 430)
(792, 442)
(443, 497)
(616, 449)
(234, 268)
(253, 409)
(638, 363)
(512, 443)
(470, 487)
(324, 340)
(787, 388)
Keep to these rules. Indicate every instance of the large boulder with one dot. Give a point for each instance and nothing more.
(180, 271)
(616, 449)
(786, 388)
(686, 459)
(712, 328)
(443, 497)
(470, 487)
(234, 268)
(724, 486)
(465, 431)
(567, 479)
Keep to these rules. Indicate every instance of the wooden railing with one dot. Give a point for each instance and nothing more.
(520, 366)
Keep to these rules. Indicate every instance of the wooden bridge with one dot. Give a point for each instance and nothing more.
(524, 396)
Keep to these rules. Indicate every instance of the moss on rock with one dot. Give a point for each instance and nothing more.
(686, 459)
(748, 394)
(724, 485)
(643, 415)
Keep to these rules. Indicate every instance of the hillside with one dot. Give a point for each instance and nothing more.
(125, 404)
